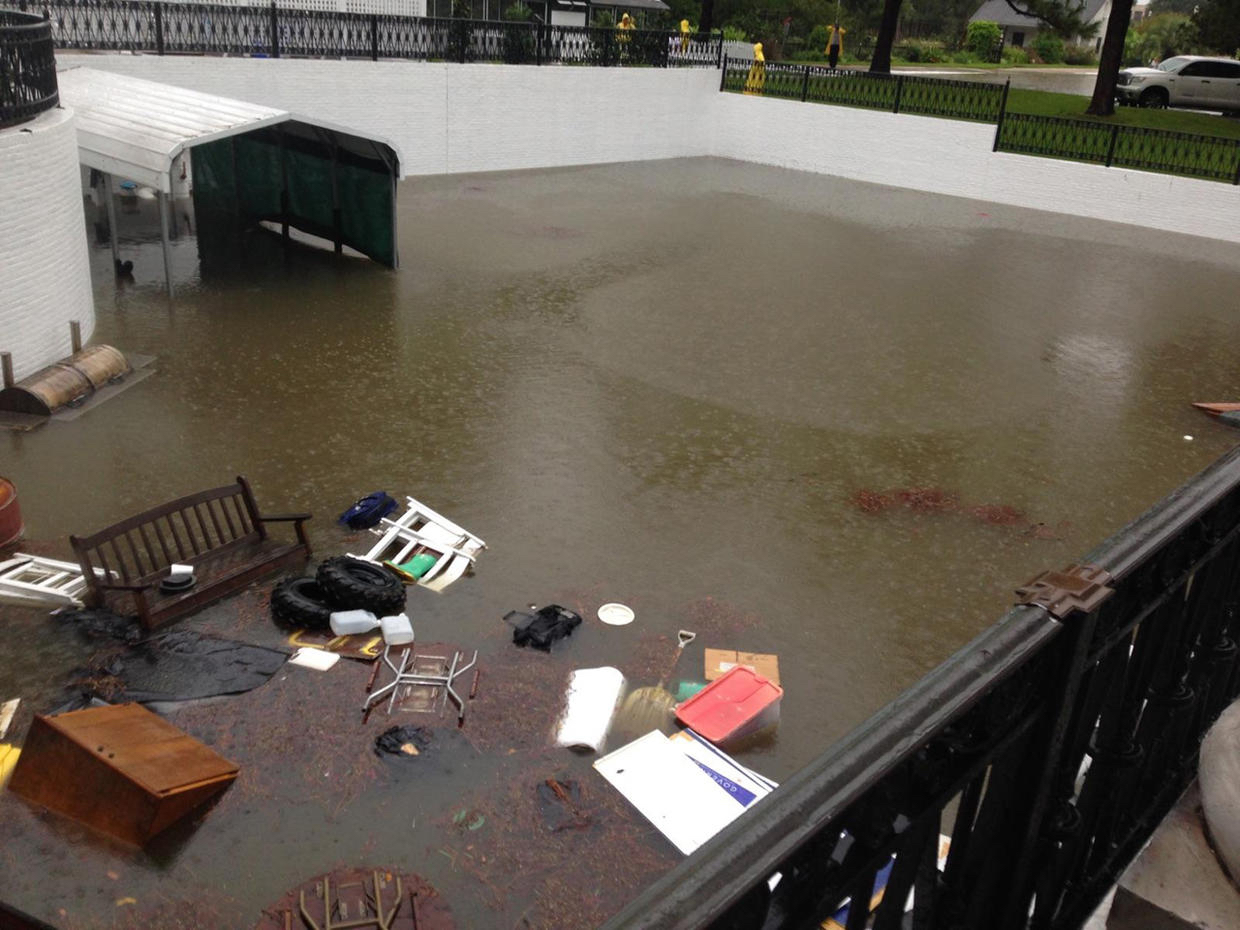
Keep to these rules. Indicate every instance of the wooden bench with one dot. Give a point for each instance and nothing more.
(219, 532)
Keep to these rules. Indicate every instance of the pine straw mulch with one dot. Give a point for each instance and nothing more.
(568, 855)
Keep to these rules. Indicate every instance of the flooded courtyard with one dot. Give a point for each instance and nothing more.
(832, 421)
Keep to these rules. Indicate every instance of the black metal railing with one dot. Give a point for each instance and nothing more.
(1113, 145)
(901, 93)
(27, 68)
(274, 31)
(1047, 750)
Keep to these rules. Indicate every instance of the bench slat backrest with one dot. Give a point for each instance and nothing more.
(142, 547)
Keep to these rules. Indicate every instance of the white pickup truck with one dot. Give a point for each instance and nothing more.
(1183, 81)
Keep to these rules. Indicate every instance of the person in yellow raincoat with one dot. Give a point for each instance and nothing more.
(623, 28)
(757, 71)
(684, 35)
(835, 44)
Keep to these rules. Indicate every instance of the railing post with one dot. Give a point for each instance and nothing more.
(1111, 147)
(805, 85)
(723, 76)
(899, 93)
(1049, 778)
(374, 37)
(538, 43)
(159, 28)
(720, 58)
(1237, 180)
(275, 31)
(1002, 112)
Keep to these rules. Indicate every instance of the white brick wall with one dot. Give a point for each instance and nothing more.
(44, 274)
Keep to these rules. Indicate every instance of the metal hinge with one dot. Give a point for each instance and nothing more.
(1077, 587)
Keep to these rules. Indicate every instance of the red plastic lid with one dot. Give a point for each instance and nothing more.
(729, 703)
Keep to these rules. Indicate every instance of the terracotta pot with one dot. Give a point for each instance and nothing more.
(10, 514)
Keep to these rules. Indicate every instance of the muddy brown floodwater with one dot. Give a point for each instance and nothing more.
(833, 421)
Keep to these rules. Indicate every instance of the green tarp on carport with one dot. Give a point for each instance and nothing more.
(325, 182)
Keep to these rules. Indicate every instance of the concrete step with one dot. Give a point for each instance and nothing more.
(1177, 882)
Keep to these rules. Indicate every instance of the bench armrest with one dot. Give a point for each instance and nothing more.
(297, 519)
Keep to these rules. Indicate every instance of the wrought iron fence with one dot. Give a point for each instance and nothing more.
(275, 31)
(1047, 750)
(27, 68)
(1206, 157)
(848, 87)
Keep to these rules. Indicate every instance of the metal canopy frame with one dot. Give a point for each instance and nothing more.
(136, 129)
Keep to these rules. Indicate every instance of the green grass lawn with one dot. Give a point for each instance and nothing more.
(1071, 106)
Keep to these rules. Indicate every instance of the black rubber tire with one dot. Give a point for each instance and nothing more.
(1156, 98)
(355, 584)
(300, 602)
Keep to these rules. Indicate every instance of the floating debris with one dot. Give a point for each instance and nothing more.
(403, 742)
(999, 515)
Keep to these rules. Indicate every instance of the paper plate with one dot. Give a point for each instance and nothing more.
(615, 614)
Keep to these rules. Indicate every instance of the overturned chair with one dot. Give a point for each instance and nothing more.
(219, 533)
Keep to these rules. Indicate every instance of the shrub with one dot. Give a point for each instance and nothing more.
(921, 50)
(964, 58)
(1079, 55)
(819, 36)
(518, 13)
(982, 37)
(734, 34)
(1049, 47)
(605, 19)
(1015, 56)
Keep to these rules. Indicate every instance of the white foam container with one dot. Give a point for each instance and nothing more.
(397, 630)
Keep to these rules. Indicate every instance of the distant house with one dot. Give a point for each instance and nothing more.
(1019, 30)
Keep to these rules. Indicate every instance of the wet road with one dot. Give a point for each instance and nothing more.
(857, 416)
(1057, 80)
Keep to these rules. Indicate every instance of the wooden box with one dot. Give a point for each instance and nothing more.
(121, 769)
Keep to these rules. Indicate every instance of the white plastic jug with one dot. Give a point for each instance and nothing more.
(348, 622)
(397, 630)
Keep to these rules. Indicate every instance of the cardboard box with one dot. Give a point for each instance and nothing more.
(719, 661)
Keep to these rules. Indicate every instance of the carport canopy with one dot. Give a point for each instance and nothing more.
(256, 161)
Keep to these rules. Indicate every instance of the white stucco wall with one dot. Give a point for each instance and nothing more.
(954, 157)
(448, 118)
(44, 274)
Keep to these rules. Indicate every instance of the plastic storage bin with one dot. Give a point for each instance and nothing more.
(736, 704)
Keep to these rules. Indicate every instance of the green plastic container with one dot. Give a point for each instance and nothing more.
(686, 690)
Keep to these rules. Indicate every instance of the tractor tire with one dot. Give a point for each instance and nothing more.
(300, 602)
(355, 584)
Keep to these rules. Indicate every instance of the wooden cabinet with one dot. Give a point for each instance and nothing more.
(122, 770)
